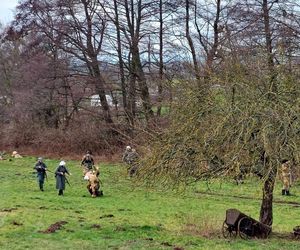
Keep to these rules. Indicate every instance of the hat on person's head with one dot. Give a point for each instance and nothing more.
(40, 159)
(62, 163)
(14, 152)
(128, 147)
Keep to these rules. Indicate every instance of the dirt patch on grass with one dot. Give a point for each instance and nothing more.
(8, 209)
(285, 236)
(15, 223)
(150, 239)
(96, 226)
(54, 227)
(124, 210)
(166, 244)
(81, 219)
(107, 216)
(120, 229)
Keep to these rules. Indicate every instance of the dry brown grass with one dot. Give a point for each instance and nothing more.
(207, 228)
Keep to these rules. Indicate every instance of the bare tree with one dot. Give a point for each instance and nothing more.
(77, 28)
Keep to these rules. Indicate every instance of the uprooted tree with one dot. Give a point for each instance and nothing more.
(239, 124)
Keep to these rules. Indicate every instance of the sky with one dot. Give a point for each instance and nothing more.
(7, 10)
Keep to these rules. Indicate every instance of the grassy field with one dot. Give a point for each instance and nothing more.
(130, 218)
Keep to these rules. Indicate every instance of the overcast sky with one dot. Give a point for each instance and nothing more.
(7, 10)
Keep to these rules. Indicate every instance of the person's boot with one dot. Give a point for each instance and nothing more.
(41, 186)
(287, 192)
(60, 192)
(283, 191)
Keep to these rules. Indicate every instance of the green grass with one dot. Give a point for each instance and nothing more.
(142, 218)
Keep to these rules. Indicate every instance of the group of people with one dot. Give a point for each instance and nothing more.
(131, 158)
(60, 175)
(91, 174)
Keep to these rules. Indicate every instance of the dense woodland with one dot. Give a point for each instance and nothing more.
(206, 83)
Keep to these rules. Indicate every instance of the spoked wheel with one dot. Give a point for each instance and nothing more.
(245, 228)
(228, 231)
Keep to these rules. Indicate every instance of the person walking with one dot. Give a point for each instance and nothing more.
(60, 175)
(41, 169)
(286, 177)
(88, 161)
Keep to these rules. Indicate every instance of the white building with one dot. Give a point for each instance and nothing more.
(95, 100)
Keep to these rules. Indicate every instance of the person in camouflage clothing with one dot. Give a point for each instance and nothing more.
(88, 161)
(93, 185)
(131, 157)
(286, 177)
(126, 153)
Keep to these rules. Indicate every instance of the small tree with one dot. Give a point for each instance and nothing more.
(237, 123)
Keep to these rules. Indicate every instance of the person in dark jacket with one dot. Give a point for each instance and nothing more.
(60, 175)
(41, 169)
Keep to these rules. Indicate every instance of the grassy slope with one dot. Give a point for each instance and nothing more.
(142, 218)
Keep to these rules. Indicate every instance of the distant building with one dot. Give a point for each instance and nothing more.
(95, 101)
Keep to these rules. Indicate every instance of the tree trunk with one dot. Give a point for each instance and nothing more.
(94, 64)
(100, 90)
(269, 48)
(121, 64)
(161, 61)
(190, 41)
(266, 210)
(131, 101)
(212, 52)
(141, 78)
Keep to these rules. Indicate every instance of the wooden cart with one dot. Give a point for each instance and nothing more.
(237, 223)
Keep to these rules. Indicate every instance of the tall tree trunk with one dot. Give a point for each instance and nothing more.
(121, 65)
(161, 59)
(141, 78)
(190, 41)
(266, 210)
(212, 52)
(100, 90)
(134, 21)
(92, 54)
(131, 96)
(269, 48)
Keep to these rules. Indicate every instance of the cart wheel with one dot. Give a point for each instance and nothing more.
(245, 228)
(228, 231)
